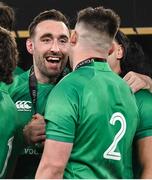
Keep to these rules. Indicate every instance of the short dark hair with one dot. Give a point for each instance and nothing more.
(104, 20)
(47, 15)
(8, 55)
(7, 16)
(134, 58)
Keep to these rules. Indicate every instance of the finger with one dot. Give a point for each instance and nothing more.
(127, 77)
(37, 127)
(34, 130)
(38, 132)
(136, 86)
(37, 121)
(131, 81)
(35, 136)
(32, 136)
(38, 116)
(39, 139)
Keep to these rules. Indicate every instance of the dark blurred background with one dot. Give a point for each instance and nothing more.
(136, 19)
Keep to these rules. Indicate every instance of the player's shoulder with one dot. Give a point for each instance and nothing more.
(143, 97)
(77, 78)
(143, 93)
(68, 79)
(20, 79)
(23, 76)
(71, 83)
(20, 84)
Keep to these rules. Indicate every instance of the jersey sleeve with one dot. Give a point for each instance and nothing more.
(61, 113)
(144, 102)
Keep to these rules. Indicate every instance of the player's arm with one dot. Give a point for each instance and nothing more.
(54, 159)
(138, 81)
(144, 146)
(34, 131)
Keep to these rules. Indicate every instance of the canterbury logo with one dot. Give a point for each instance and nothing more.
(23, 105)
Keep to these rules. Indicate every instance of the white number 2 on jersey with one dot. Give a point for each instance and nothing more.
(7, 157)
(110, 152)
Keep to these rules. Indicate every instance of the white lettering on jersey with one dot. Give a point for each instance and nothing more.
(30, 151)
(23, 105)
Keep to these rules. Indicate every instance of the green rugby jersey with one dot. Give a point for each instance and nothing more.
(144, 103)
(8, 128)
(95, 110)
(18, 71)
(20, 93)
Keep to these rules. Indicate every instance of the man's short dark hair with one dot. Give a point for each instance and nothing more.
(101, 19)
(8, 55)
(7, 16)
(47, 15)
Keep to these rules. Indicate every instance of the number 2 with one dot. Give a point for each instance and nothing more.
(110, 152)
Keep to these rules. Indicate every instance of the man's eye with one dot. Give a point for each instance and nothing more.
(63, 40)
(46, 40)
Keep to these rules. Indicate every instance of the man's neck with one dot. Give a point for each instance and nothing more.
(44, 79)
(82, 57)
(81, 54)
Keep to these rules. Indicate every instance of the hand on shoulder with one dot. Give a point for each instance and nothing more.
(138, 81)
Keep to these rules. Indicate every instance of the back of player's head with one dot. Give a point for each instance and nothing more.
(98, 25)
(8, 55)
(7, 16)
(47, 15)
(100, 19)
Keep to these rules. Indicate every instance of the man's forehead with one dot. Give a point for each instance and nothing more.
(52, 27)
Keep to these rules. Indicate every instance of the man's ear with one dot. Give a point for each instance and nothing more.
(29, 45)
(120, 52)
(73, 37)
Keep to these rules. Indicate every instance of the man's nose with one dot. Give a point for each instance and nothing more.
(55, 46)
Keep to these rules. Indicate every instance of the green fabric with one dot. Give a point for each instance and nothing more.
(19, 92)
(79, 110)
(144, 103)
(18, 71)
(8, 129)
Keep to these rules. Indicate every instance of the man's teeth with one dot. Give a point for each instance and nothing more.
(53, 59)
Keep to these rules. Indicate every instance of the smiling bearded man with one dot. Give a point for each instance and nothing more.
(49, 44)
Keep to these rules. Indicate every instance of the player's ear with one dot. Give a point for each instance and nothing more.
(73, 37)
(120, 52)
(29, 45)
